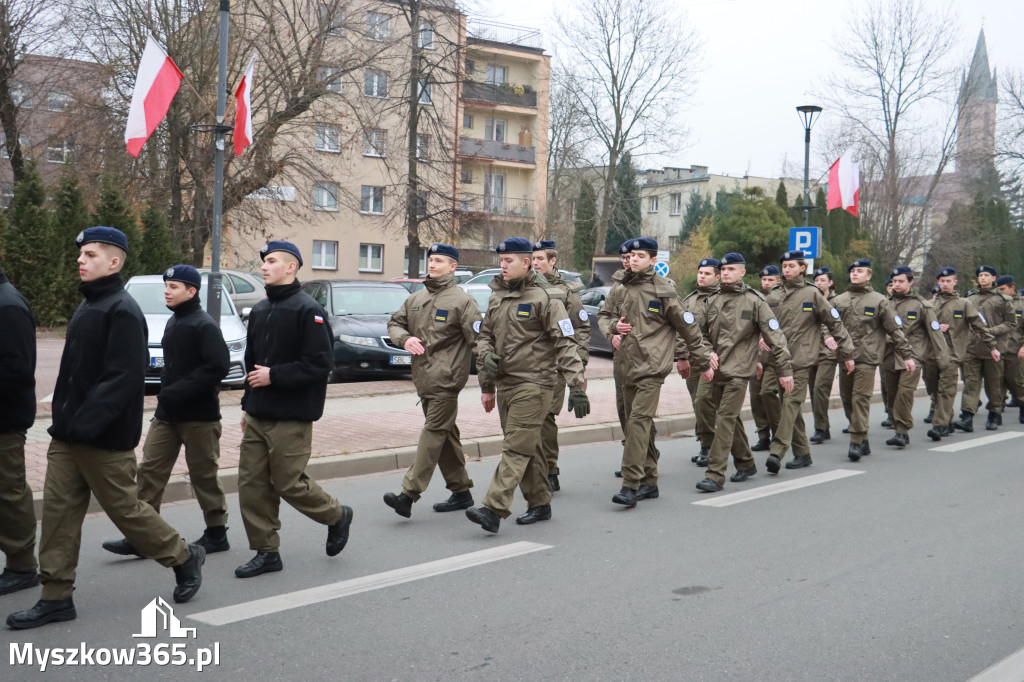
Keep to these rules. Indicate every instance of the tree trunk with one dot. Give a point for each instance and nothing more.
(606, 203)
(412, 219)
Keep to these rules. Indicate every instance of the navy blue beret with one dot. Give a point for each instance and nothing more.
(710, 263)
(103, 235)
(1004, 280)
(986, 268)
(624, 249)
(946, 272)
(444, 250)
(287, 247)
(734, 259)
(515, 245)
(643, 244)
(823, 270)
(859, 263)
(792, 255)
(902, 270)
(544, 245)
(185, 274)
(770, 271)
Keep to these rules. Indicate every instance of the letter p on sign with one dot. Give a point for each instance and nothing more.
(806, 239)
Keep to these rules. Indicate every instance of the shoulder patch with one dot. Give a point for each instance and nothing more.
(898, 319)
(935, 325)
(476, 326)
(773, 324)
(835, 313)
(583, 315)
(982, 317)
(688, 317)
(318, 319)
(566, 327)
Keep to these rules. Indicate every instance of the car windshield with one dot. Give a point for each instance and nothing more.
(368, 300)
(150, 297)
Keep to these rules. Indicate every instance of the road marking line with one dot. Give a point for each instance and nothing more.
(1010, 669)
(776, 488)
(47, 399)
(347, 588)
(977, 442)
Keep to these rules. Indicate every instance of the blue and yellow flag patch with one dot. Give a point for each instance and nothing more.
(654, 306)
(912, 315)
(958, 314)
(869, 311)
(441, 316)
(523, 311)
(808, 307)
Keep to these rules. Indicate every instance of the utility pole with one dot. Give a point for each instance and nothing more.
(807, 113)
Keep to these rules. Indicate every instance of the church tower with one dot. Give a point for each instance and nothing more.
(976, 133)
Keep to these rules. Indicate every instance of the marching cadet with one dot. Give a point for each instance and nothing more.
(696, 303)
(438, 325)
(924, 334)
(887, 423)
(960, 322)
(801, 311)
(525, 331)
(822, 375)
(868, 317)
(196, 360)
(545, 262)
(97, 423)
(765, 406)
(289, 355)
(737, 317)
(1013, 369)
(613, 295)
(645, 321)
(17, 414)
(997, 311)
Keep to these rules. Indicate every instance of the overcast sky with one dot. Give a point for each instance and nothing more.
(762, 58)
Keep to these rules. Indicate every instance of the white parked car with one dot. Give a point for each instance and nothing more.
(148, 292)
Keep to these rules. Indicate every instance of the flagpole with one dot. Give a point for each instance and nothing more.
(215, 290)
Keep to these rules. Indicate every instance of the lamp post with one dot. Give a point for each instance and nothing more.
(807, 113)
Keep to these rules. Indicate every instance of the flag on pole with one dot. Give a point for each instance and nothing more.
(243, 111)
(155, 86)
(844, 184)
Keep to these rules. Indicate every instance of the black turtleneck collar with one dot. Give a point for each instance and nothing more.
(102, 287)
(435, 284)
(278, 292)
(186, 307)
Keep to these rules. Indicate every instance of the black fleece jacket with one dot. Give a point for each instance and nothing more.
(17, 360)
(196, 359)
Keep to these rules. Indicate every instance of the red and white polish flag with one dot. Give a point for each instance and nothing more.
(155, 86)
(844, 184)
(243, 111)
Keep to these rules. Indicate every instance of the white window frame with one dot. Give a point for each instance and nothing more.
(328, 138)
(325, 255)
(330, 77)
(426, 88)
(375, 142)
(376, 81)
(24, 141)
(652, 204)
(373, 252)
(57, 101)
(492, 74)
(378, 26)
(422, 147)
(467, 122)
(322, 191)
(491, 127)
(677, 203)
(466, 176)
(371, 200)
(65, 150)
(20, 95)
(426, 35)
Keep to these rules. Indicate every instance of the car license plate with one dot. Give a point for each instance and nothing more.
(156, 363)
(401, 359)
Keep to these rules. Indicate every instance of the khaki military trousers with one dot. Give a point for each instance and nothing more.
(989, 372)
(1013, 376)
(728, 395)
(771, 399)
(619, 377)
(17, 515)
(792, 431)
(930, 374)
(521, 409)
(549, 430)
(757, 408)
(640, 456)
(703, 409)
(202, 451)
(271, 468)
(945, 394)
(439, 446)
(899, 392)
(821, 378)
(856, 390)
(72, 472)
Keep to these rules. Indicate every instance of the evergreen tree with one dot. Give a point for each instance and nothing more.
(159, 251)
(70, 216)
(754, 226)
(112, 210)
(585, 233)
(698, 208)
(781, 196)
(625, 219)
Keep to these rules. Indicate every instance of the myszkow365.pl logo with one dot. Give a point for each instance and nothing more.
(157, 618)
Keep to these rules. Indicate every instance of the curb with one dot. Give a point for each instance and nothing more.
(476, 449)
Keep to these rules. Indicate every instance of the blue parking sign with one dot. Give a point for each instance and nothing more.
(806, 239)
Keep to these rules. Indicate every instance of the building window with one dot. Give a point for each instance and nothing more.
(423, 262)
(423, 147)
(467, 122)
(57, 101)
(496, 75)
(371, 199)
(23, 142)
(427, 35)
(59, 151)
(375, 83)
(328, 75)
(466, 176)
(333, 20)
(374, 140)
(325, 196)
(6, 194)
(378, 26)
(20, 95)
(371, 258)
(470, 67)
(425, 88)
(325, 255)
(652, 204)
(494, 129)
(328, 138)
(677, 203)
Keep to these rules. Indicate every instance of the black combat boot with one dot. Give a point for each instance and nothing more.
(1020, 415)
(702, 457)
(820, 436)
(215, 539)
(900, 440)
(553, 482)
(888, 424)
(993, 422)
(965, 422)
(761, 445)
(45, 611)
(13, 581)
(189, 575)
(484, 517)
(535, 514)
(931, 415)
(337, 533)
(935, 433)
(799, 462)
(457, 501)
(772, 464)
(121, 547)
(626, 497)
(855, 452)
(263, 562)
(647, 492)
(401, 503)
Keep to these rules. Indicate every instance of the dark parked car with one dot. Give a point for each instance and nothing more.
(358, 311)
(592, 300)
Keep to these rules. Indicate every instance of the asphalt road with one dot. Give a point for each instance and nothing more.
(908, 571)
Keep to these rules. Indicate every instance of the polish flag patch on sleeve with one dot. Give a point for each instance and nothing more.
(318, 319)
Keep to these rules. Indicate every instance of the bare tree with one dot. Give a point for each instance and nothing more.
(1011, 145)
(569, 140)
(634, 61)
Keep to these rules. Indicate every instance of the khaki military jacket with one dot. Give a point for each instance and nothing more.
(613, 300)
(1018, 312)
(527, 325)
(696, 302)
(577, 315)
(651, 304)
(964, 324)
(869, 317)
(921, 327)
(802, 310)
(996, 309)
(826, 354)
(737, 317)
(446, 319)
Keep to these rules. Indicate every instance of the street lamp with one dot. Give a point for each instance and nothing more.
(807, 114)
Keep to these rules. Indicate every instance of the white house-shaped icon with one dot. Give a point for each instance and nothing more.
(158, 615)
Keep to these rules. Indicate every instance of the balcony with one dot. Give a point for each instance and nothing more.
(499, 151)
(502, 207)
(504, 34)
(499, 94)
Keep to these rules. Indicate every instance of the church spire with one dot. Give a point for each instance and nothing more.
(980, 85)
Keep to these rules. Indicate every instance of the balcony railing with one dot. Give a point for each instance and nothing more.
(498, 94)
(509, 34)
(500, 151)
(497, 206)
